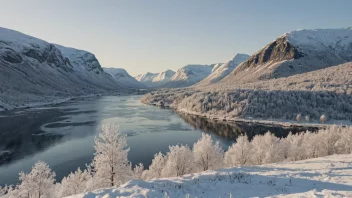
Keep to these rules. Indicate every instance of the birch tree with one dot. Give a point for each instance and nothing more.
(38, 183)
(239, 154)
(110, 162)
(74, 183)
(179, 161)
(157, 166)
(207, 155)
(138, 171)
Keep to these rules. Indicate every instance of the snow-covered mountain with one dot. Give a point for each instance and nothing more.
(163, 77)
(220, 71)
(146, 79)
(120, 75)
(87, 67)
(33, 70)
(155, 80)
(189, 75)
(296, 52)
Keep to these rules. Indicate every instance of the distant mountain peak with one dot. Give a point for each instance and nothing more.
(122, 77)
(221, 71)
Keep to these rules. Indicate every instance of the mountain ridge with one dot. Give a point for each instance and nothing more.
(36, 71)
(296, 52)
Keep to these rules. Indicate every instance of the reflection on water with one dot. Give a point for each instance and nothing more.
(63, 135)
(231, 130)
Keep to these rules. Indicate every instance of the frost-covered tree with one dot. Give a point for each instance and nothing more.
(295, 147)
(258, 152)
(10, 192)
(3, 190)
(207, 155)
(157, 166)
(311, 144)
(75, 183)
(110, 162)
(180, 160)
(344, 144)
(323, 118)
(266, 149)
(307, 118)
(239, 154)
(138, 171)
(38, 183)
(299, 117)
(328, 140)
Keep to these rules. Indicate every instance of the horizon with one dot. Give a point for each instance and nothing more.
(153, 37)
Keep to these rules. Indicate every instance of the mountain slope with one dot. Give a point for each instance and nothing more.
(33, 70)
(294, 53)
(188, 76)
(162, 78)
(120, 75)
(155, 80)
(87, 67)
(220, 71)
(146, 79)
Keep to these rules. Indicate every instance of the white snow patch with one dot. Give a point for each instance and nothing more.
(329, 176)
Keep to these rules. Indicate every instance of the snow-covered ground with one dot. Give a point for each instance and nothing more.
(321, 177)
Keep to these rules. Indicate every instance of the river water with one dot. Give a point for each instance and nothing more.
(63, 135)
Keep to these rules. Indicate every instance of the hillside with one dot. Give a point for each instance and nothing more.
(220, 71)
(35, 71)
(188, 75)
(121, 76)
(146, 79)
(306, 94)
(336, 79)
(162, 78)
(329, 176)
(296, 52)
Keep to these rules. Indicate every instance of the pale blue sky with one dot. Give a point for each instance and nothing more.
(154, 35)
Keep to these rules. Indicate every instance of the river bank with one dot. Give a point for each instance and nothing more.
(267, 122)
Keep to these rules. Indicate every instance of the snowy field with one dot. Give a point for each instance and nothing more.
(329, 176)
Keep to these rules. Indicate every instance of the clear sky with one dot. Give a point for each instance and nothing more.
(155, 35)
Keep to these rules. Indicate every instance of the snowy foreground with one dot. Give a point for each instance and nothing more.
(329, 176)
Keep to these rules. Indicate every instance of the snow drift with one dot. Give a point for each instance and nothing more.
(321, 177)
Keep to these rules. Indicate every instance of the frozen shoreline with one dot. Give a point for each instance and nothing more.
(56, 101)
(41, 104)
(273, 122)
